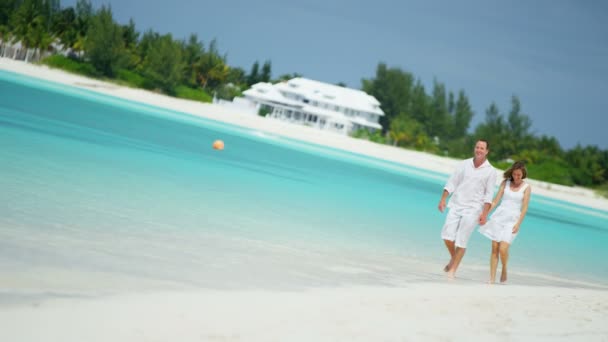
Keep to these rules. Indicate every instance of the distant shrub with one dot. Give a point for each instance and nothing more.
(228, 92)
(71, 65)
(375, 136)
(263, 111)
(502, 165)
(185, 92)
(552, 171)
(602, 190)
(131, 78)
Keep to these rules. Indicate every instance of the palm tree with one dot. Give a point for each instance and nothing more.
(64, 27)
(41, 39)
(211, 68)
(5, 37)
(27, 19)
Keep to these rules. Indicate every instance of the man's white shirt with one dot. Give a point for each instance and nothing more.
(471, 187)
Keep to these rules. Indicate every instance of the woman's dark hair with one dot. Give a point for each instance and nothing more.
(518, 165)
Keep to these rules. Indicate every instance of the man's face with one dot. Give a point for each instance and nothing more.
(481, 150)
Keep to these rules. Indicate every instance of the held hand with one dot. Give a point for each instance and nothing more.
(441, 206)
(515, 229)
(483, 219)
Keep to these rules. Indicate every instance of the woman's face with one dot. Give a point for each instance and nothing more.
(517, 175)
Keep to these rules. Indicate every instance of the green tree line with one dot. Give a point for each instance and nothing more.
(94, 44)
(437, 121)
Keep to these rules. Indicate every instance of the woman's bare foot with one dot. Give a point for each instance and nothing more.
(451, 275)
(503, 276)
(490, 282)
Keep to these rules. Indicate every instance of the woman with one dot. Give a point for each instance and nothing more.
(504, 224)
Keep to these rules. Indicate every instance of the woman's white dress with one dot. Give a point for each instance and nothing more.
(500, 225)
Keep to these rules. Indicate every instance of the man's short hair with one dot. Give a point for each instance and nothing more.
(487, 143)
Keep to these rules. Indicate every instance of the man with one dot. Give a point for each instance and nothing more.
(472, 188)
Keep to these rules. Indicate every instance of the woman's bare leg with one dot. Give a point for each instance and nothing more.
(493, 262)
(504, 258)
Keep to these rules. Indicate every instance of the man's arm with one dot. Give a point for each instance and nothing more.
(483, 218)
(451, 185)
(444, 197)
(455, 179)
(489, 193)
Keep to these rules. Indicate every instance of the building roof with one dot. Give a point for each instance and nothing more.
(268, 92)
(335, 95)
(309, 91)
(366, 123)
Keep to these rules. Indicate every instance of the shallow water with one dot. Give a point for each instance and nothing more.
(101, 195)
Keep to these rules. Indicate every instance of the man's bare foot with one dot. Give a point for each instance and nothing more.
(451, 275)
(490, 282)
(447, 267)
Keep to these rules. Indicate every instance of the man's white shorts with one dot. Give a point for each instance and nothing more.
(458, 226)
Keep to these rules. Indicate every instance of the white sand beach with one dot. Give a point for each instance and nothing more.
(431, 310)
(424, 312)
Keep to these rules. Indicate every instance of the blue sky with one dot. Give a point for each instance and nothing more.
(552, 54)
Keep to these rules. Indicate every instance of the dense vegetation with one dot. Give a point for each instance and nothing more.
(439, 123)
(92, 43)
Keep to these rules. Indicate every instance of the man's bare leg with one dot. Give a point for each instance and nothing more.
(452, 249)
(493, 262)
(504, 258)
(458, 254)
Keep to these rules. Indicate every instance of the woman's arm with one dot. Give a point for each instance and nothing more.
(498, 197)
(524, 208)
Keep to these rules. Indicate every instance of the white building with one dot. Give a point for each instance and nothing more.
(317, 104)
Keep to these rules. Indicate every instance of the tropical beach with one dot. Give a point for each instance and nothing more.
(206, 285)
(420, 160)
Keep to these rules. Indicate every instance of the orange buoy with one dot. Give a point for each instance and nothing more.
(218, 145)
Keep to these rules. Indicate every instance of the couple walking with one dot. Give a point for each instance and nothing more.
(471, 188)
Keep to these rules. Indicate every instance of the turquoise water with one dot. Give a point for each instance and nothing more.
(94, 184)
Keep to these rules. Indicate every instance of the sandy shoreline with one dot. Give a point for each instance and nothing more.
(433, 310)
(422, 312)
(580, 196)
